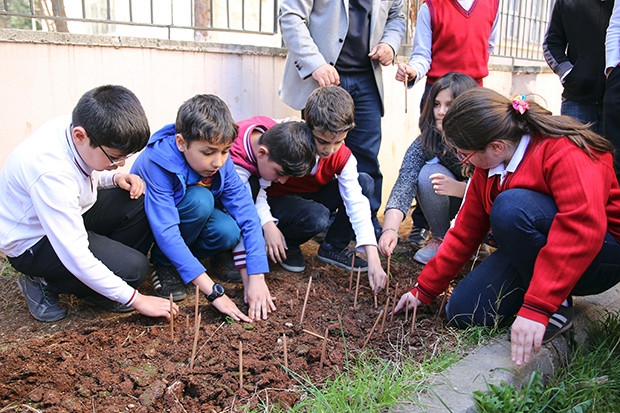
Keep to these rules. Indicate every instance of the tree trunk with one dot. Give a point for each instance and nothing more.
(202, 13)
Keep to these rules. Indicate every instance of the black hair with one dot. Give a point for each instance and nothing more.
(291, 145)
(114, 117)
(431, 138)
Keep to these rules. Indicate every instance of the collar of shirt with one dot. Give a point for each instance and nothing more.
(85, 169)
(516, 159)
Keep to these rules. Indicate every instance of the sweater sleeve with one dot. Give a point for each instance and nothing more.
(461, 241)
(406, 186)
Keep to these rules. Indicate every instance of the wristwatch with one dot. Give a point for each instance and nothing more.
(216, 293)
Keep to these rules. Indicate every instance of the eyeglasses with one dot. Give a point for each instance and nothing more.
(113, 161)
(463, 157)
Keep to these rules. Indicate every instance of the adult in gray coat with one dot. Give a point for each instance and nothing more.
(344, 42)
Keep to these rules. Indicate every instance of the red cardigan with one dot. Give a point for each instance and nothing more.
(587, 195)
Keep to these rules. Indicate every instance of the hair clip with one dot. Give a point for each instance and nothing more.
(520, 104)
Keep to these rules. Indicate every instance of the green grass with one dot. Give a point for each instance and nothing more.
(370, 384)
(590, 383)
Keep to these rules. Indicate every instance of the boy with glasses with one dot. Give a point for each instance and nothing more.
(71, 224)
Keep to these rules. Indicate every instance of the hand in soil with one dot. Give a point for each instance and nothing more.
(151, 306)
(407, 301)
(226, 306)
(258, 297)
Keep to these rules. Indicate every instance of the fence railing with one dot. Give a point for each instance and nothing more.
(522, 22)
(169, 19)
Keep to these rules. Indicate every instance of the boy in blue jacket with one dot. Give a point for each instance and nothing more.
(190, 180)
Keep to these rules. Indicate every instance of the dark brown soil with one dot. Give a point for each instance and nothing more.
(94, 361)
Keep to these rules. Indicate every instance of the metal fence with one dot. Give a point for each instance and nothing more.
(168, 19)
(522, 22)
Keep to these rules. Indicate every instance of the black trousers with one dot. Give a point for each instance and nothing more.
(611, 114)
(118, 234)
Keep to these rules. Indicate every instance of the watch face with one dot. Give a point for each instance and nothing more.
(217, 292)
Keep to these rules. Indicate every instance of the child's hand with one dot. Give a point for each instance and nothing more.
(257, 296)
(403, 70)
(275, 244)
(132, 183)
(407, 301)
(154, 306)
(377, 278)
(387, 242)
(524, 335)
(444, 185)
(226, 306)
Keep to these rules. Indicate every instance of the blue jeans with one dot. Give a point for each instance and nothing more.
(584, 113)
(205, 228)
(302, 216)
(365, 139)
(494, 290)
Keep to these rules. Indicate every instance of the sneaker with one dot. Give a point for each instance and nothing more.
(418, 237)
(294, 261)
(99, 301)
(341, 258)
(560, 322)
(166, 280)
(223, 268)
(43, 305)
(425, 254)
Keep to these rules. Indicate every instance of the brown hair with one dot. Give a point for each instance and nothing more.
(480, 116)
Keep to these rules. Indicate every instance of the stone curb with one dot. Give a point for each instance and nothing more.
(452, 390)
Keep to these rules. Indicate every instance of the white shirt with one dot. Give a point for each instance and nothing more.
(45, 187)
(612, 41)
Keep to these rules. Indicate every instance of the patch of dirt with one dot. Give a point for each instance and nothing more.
(97, 361)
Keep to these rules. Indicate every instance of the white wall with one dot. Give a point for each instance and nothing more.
(44, 74)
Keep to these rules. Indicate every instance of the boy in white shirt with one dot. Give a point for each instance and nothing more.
(71, 224)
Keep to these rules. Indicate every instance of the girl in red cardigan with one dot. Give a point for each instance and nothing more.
(545, 187)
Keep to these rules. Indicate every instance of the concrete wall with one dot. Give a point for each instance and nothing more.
(44, 74)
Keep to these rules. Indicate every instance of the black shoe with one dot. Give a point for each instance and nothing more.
(418, 237)
(166, 281)
(294, 261)
(341, 258)
(43, 305)
(99, 301)
(222, 266)
(560, 322)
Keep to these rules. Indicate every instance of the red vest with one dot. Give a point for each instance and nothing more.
(460, 38)
(326, 170)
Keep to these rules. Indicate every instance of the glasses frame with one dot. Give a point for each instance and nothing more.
(111, 159)
(464, 158)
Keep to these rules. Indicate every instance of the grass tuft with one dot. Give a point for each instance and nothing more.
(590, 383)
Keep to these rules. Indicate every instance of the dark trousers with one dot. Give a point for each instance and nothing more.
(611, 114)
(494, 290)
(302, 216)
(365, 139)
(118, 235)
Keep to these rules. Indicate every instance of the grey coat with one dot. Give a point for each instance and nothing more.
(314, 32)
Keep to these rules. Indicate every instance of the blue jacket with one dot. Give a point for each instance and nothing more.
(167, 174)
